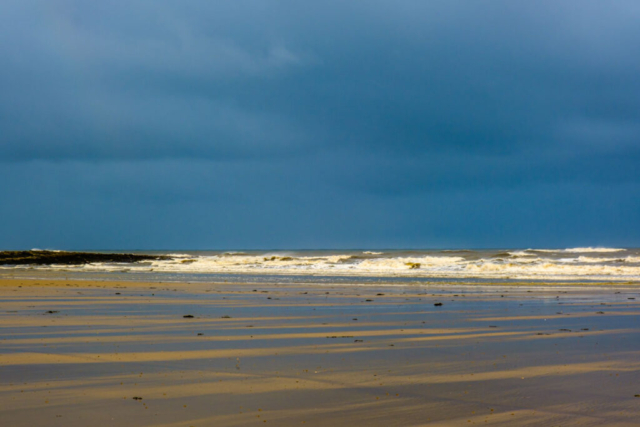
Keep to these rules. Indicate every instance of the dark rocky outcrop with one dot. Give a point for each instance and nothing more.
(69, 258)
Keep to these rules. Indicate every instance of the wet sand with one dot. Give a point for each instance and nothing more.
(77, 353)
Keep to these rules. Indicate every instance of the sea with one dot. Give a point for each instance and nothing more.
(566, 265)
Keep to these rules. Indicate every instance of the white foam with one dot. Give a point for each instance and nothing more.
(577, 250)
(532, 265)
(389, 266)
(587, 250)
(521, 253)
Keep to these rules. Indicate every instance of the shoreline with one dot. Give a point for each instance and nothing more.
(56, 279)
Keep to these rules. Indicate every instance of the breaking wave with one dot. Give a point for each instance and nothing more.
(539, 264)
(579, 250)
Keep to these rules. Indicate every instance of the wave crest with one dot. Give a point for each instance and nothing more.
(543, 264)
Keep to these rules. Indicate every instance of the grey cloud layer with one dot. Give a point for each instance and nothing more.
(158, 79)
(368, 103)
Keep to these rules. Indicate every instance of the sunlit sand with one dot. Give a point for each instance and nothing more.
(75, 353)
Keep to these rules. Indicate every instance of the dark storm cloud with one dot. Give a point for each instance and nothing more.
(284, 114)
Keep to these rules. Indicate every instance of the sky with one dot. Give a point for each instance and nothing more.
(159, 124)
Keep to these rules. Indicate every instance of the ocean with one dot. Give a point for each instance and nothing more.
(587, 264)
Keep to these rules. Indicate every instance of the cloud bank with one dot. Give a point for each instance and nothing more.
(342, 124)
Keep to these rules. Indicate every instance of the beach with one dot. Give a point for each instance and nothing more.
(335, 213)
(89, 352)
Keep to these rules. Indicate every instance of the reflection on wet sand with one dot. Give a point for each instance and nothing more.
(77, 353)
